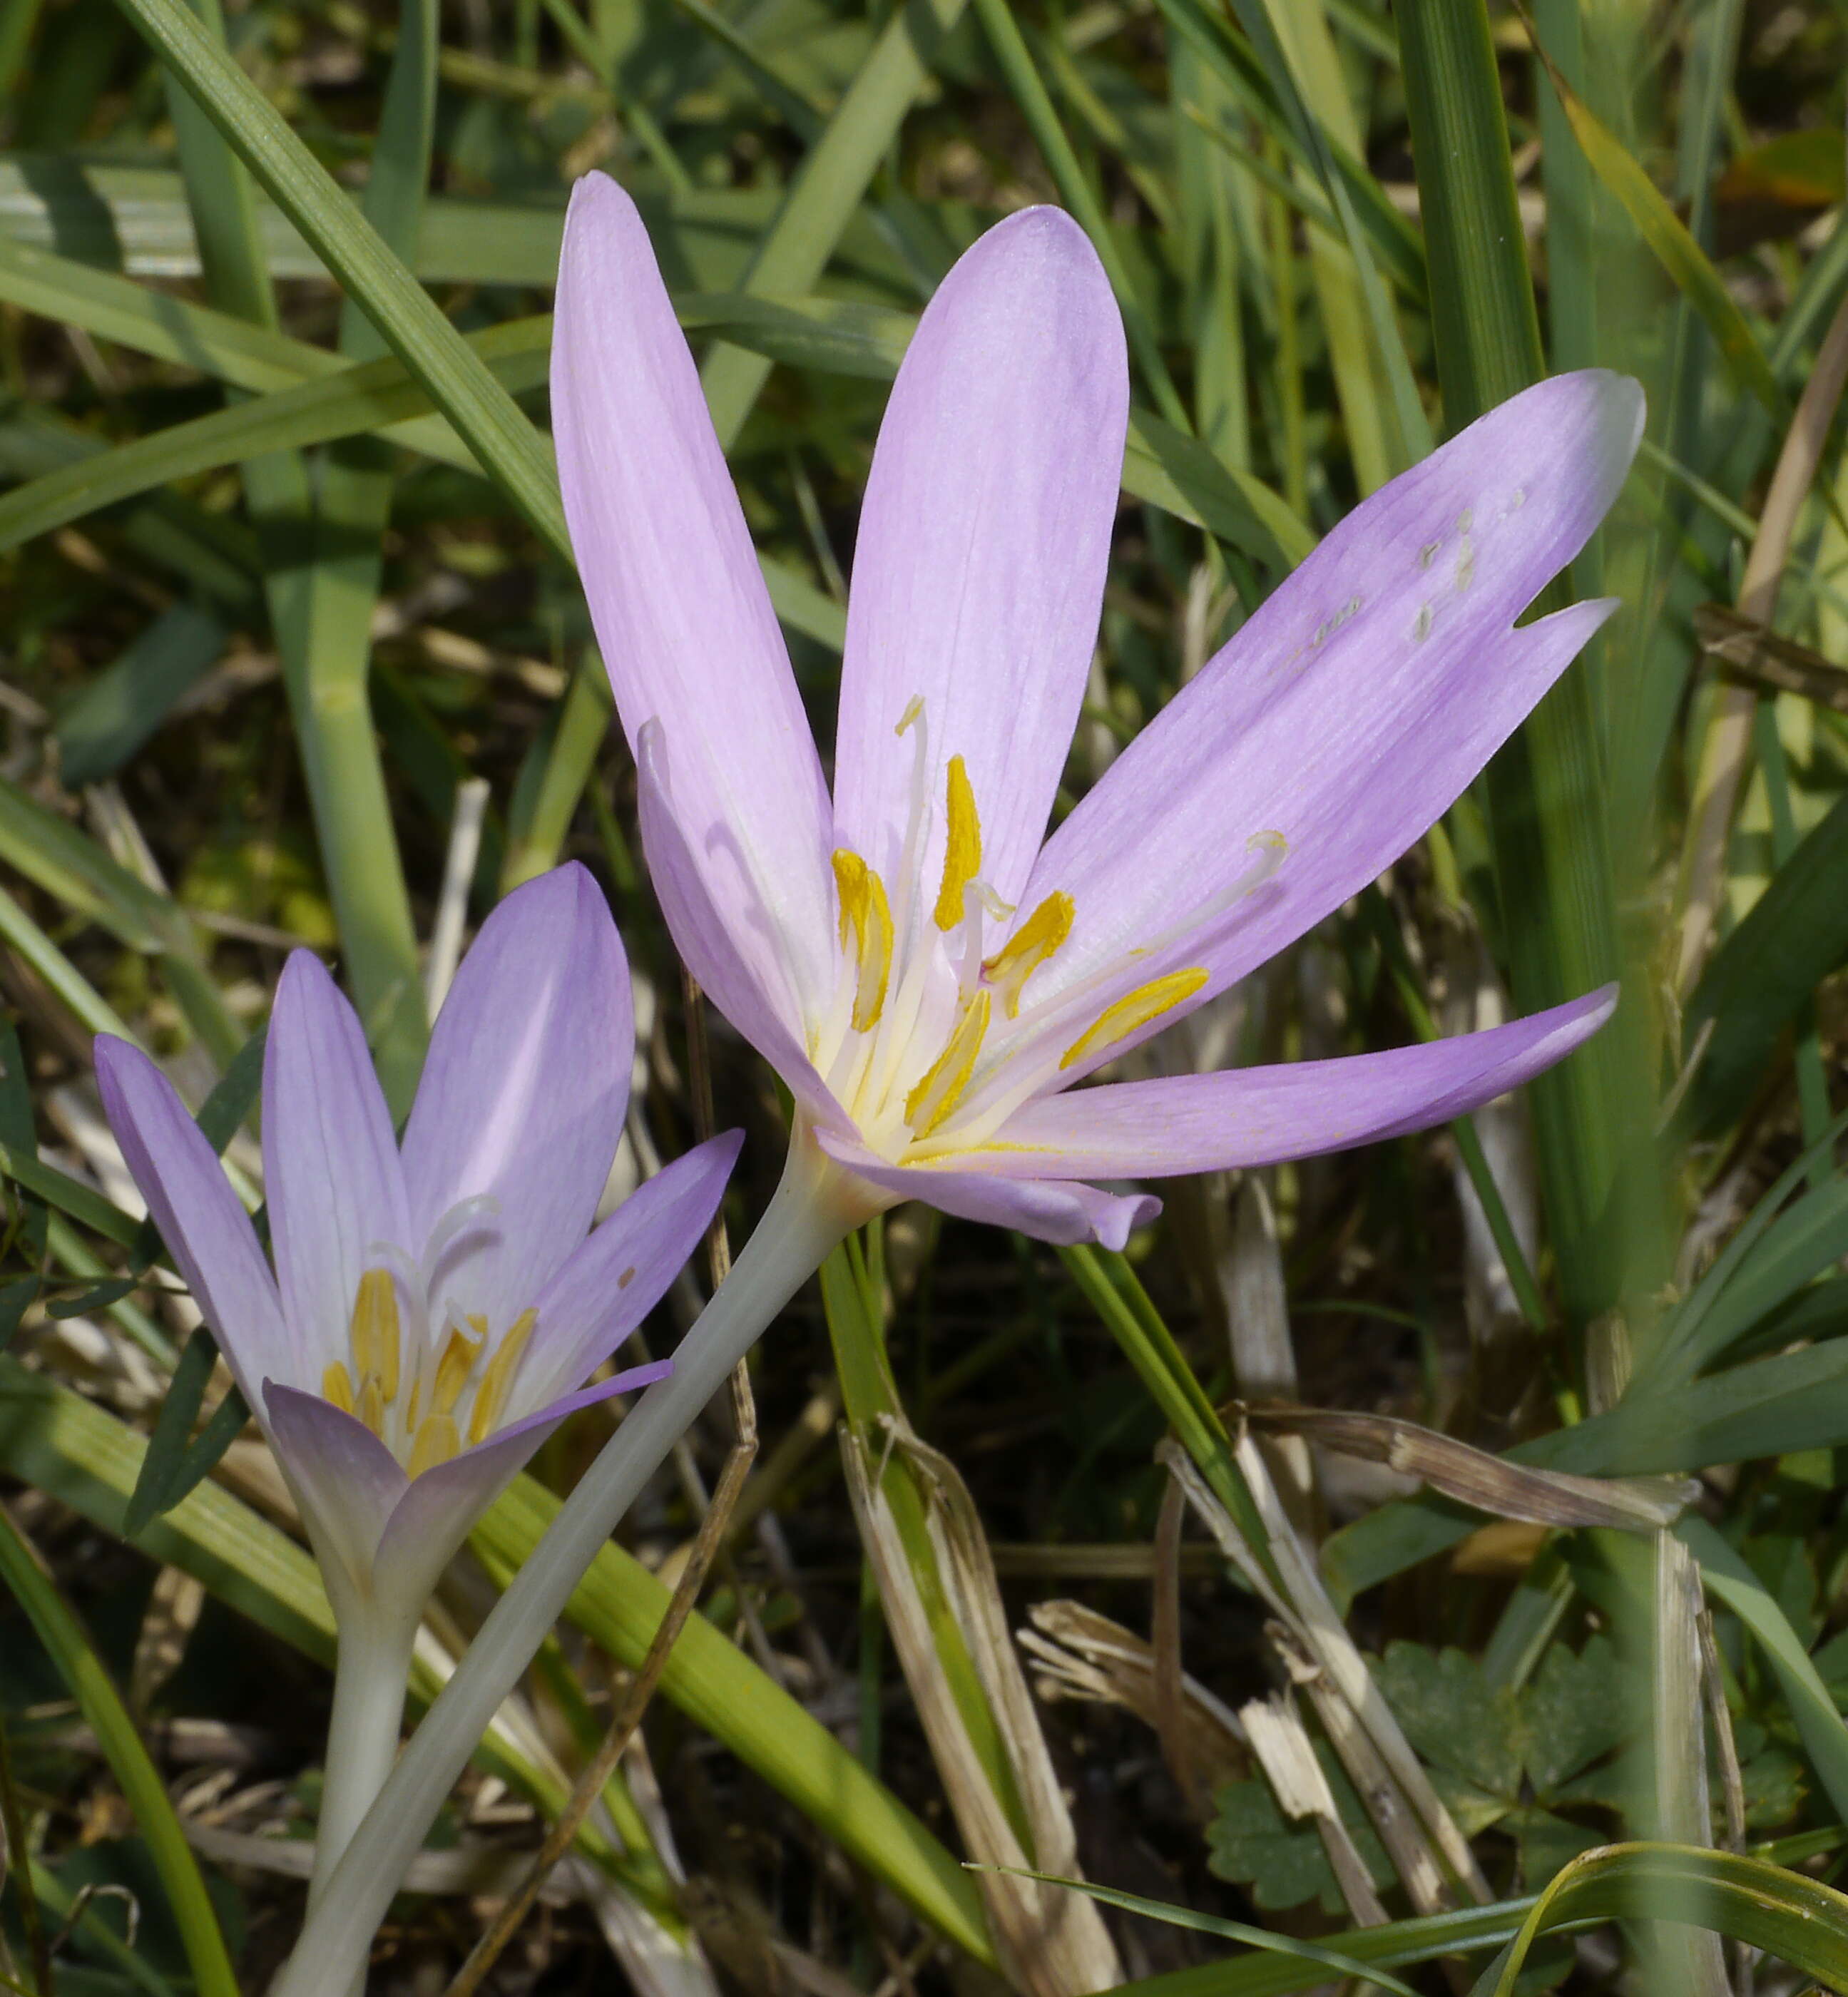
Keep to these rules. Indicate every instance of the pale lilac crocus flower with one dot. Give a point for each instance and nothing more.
(930, 973)
(929, 977)
(436, 1308)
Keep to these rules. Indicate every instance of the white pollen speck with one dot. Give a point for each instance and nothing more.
(1422, 630)
(1465, 519)
(1518, 500)
(1466, 568)
(1428, 553)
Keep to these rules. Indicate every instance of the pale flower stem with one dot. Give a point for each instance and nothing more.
(369, 1680)
(815, 1207)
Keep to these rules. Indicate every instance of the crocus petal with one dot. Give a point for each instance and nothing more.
(329, 1161)
(679, 604)
(1057, 1210)
(616, 1277)
(208, 1234)
(1354, 707)
(979, 570)
(1256, 1116)
(723, 963)
(524, 1090)
(432, 1517)
(346, 1482)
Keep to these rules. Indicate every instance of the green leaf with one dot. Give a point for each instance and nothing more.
(1284, 1863)
(1453, 1716)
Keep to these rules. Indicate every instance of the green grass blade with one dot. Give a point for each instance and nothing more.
(1551, 844)
(1241, 1931)
(1687, 264)
(100, 1704)
(1799, 1919)
(1392, 1946)
(830, 186)
(1765, 971)
(505, 444)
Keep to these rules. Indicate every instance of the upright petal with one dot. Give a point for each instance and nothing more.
(524, 1089)
(346, 1482)
(721, 959)
(329, 1161)
(1352, 708)
(207, 1232)
(681, 613)
(617, 1276)
(1062, 1210)
(1259, 1116)
(433, 1517)
(979, 570)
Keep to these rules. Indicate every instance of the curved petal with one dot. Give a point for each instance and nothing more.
(1061, 1211)
(1353, 708)
(678, 601)
(207, 1232)
(979, 570)
(330, 1165)
(724, 968)
(616, 1277)
(1257, 1116)
(433, 1515)
(346, 1482)
(523, 1091)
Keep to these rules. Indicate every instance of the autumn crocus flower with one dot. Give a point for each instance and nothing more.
(928, 972)
(436, 1308)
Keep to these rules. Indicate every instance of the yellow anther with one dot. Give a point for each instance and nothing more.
(416, 1406)
(459, 1354)
(375, 1330)
(491, 1396)
(866, 930)
(336, 1386)
(1148, 1001)
(371, 1409)
(913, 707)
(1039, 937)
(437, 1441)
(941, 1089)
(962, 855)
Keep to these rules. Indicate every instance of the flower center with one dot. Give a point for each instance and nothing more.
(423, 1394)
(929, 1044)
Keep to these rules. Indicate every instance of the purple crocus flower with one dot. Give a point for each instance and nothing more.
(434, 1309)
(928, 972)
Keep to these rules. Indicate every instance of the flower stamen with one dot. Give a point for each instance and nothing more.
(1134, 1010)
(377, 1333)
(866, 932)
(1038, 939)
(437, 1442)
(941, 1088)
(962, 851)
(492, 1395)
